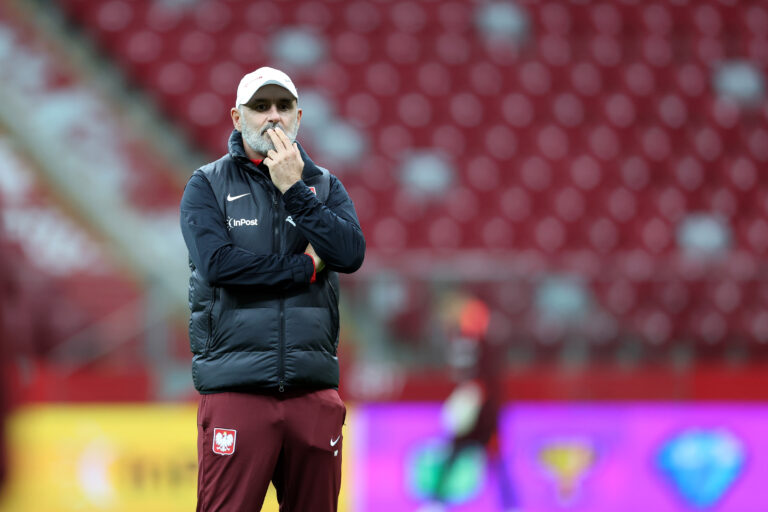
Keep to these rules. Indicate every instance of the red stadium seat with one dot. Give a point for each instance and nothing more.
(707, 20)
(173, 78)
(556, 18)
(461, 204)
(455, 16)
(606, 19)
(403, 48)
(755, 18)
(602, 235)
(757, 143)
(655, 326)
(318, 15)
(620, 110)
(452, 48)
(708, 144)
(144, 46)
(535, 78)
(691, 80)
(518, 110)
(390, 234)
(555, 50)
(497, 234)
(444, 233)
(208, 109)
(117, 16)
(604, 142)
(516, 204)
(709, 49)
(657, 19)
(214, 16)
(501, 142)
(449, 139)
(536, 173)
(657, 51)
(362, 109)
(162, 17)
(553, 142)
(550, 234)
(569, 204)
(483, 173)
(408, 16)
(620, 296)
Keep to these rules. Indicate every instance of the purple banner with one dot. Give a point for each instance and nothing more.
(577, 458)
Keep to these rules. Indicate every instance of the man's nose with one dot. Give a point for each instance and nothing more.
(273, 115)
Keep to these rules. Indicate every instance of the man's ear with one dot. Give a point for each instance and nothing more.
(298, 117)
(235, 113)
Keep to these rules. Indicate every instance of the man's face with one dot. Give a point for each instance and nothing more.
(270, 107)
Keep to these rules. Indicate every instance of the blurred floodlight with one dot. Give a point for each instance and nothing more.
(335, 139)
(318, 110)
(178, 4)
(562, 298)
(52, 241)
(14, 183)
(298, 47)
(387, 295)
(704, 234)
(340, 142)
(741, 81)
(503, 20)
(427, 173)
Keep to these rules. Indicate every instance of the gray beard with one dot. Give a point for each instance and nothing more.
(260, 141)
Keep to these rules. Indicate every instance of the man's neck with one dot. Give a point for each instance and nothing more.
(250, 153)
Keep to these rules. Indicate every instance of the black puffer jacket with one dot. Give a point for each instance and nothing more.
(257, 323)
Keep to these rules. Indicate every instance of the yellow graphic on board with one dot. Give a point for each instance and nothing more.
(107, 458)
(567, 462)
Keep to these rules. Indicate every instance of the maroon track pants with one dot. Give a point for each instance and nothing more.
(244, 441)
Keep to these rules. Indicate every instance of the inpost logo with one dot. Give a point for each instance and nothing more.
(236, 223)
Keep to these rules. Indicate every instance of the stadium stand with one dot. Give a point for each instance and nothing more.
(591, 170)
(80, 192)
(562, 132)
(55, 314)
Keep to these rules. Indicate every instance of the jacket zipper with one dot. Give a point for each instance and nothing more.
(281, 338)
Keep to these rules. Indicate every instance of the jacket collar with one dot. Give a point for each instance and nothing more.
(237, 152)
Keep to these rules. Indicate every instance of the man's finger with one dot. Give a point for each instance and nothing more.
(276, 140)
(284, 138)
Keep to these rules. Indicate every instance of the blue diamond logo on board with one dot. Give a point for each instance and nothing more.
(702, 464)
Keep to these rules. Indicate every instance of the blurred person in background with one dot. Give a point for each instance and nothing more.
(471, 412)
(267, 231)
(7, 292)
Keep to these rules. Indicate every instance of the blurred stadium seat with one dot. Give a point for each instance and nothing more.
(56, 268)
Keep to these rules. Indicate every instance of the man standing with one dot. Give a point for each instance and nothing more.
(267, 231)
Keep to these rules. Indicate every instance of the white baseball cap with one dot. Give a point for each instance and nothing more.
(255, 80)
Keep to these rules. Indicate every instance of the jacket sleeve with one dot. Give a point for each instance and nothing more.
(332, 228)
(219, 261)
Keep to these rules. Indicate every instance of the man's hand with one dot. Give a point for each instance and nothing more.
(284, 162)
(319, 264)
